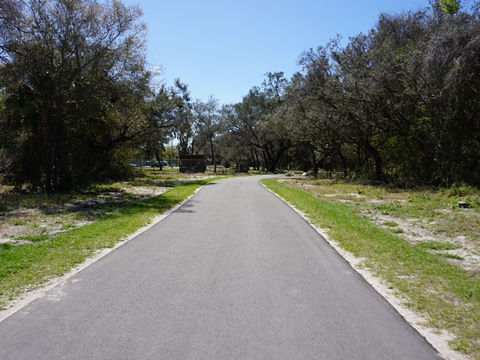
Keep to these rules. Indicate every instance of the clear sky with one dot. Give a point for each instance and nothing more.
(225, 47)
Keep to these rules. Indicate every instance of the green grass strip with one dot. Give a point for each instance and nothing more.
(448, 296)
(28, 266)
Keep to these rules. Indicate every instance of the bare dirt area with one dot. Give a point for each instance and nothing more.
(429, 218)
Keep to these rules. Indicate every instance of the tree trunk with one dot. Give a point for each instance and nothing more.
(214, 159)
(344, 164)
(314, 163)
(378, 160)
(159, 160)
(51, 143)
(266, 164)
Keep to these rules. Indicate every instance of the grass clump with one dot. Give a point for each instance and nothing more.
(19, 223)
(452, 256)
(444, 293)
(33, 238)
(436, 245)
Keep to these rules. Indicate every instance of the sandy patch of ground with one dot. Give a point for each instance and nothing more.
(26, 225)
(416, 231)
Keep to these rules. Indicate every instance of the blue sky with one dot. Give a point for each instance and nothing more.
(224, 48)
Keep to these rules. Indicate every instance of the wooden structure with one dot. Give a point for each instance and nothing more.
(192, 163)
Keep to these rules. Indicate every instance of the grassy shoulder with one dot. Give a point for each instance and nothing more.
(29, 265)
(447, 295)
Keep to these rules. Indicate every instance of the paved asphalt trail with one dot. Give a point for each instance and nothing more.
(233, 274)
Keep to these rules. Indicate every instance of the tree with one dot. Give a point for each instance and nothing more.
(452, 66)
(163, 114)
(314, 99)
(230, 146)
(75, 83)
(209, 125)
(183, 116)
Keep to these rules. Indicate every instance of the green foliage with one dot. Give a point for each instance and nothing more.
(18, 223)
(452, 256)
(450, 6)
(33, 238)
(436, 245)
